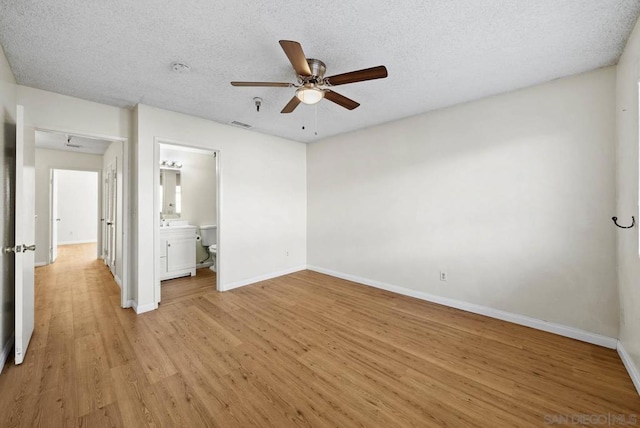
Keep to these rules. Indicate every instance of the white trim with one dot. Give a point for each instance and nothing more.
(129, 304)
(144, 308)
(633, 371)
(5, 352)
(40, 264)
(118, 281)
(237, 284)
(562, 330)
(90, 241)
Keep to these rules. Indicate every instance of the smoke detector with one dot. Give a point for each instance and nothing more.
(180, 67)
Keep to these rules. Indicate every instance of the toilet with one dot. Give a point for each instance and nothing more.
(209, 235)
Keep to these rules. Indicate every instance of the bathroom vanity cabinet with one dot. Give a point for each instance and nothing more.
(177, 252)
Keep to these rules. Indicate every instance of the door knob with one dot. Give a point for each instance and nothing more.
(16, 249)
(29, 247)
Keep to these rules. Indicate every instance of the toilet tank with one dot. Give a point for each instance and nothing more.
(209, 234)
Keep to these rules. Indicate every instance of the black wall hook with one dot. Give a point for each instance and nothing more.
(633, 222)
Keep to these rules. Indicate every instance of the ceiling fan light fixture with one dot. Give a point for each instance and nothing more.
(309, 95)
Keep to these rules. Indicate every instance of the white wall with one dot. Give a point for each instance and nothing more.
(8, 94)
(263, 197)
(77, 206)
(512, 196)
(45, 161)
(628, 76)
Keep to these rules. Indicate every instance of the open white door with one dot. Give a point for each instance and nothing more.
(25, 239)
(55, 221)
(111, 202)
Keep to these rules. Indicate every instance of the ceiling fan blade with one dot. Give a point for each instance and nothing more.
(341, 100)
(296, 57)
(379, 72)
(273, 84)
(291, 105)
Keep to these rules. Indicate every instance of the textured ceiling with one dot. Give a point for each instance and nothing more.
(58, 141)
(438, 53)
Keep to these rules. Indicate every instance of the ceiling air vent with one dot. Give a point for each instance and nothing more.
(240, 124)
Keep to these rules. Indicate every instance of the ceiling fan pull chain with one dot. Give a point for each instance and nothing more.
(316, 133)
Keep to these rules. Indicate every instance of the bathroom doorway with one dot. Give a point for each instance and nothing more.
(187, 226)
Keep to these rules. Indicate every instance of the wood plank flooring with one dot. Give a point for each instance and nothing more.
(300, 350)
(175, 290)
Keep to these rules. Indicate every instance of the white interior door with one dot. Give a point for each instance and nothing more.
(111, 216)
(105, 211)
(55, 221)
(25, 239)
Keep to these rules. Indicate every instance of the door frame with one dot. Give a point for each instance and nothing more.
(126, 237)
(53, 211)
(156, 204)
(99, 196)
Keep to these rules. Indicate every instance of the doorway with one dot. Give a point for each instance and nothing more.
(187, 196)
(106, 158)
(74, 211)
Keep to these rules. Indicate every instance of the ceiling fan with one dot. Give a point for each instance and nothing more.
(311, 83)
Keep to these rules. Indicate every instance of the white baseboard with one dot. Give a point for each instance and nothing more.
(632, 369)
(129, 304)
(91, 241)
(227, 287)
(118, 281)
(562, 330)
(141, 309)
(39, 264)
(5, 352)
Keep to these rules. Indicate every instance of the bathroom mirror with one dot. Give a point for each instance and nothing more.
(170, 193)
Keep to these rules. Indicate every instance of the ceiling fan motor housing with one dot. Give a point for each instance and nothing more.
(318, 69)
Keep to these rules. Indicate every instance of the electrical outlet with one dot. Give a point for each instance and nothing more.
(443, 276)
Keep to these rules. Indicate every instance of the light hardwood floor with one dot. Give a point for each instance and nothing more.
(175, 290)
(301, 350)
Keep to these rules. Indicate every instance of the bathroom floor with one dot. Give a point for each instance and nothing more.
(175, 290)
